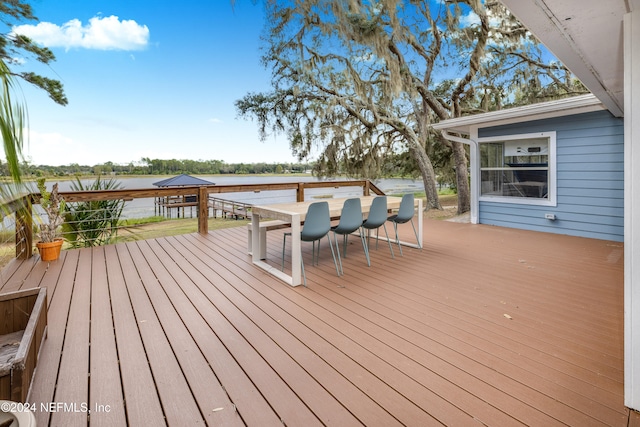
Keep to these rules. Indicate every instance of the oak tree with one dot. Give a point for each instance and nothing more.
(363, 80)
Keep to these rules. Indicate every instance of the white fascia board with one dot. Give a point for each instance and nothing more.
(543, 110)
(541, 21)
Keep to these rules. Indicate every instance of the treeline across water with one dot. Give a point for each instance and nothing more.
(148, 166)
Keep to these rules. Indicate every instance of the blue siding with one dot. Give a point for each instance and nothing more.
(590, 178)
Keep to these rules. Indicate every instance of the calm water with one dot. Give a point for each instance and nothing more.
(140, 208)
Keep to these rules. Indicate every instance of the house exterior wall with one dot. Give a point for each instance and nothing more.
(590, 178)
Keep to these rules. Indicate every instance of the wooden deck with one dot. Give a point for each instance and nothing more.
(484, 326)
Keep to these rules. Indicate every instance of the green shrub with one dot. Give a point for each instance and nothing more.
(92, 223)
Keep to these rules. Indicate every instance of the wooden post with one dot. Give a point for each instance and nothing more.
(203, 210)
(24, 231)
(300, 192)
(366, 188)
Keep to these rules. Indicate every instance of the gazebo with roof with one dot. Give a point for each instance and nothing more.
(165, 204)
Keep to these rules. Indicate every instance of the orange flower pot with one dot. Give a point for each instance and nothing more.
(49, 251)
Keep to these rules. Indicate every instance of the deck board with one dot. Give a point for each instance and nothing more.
(412, 315)
(51, 350)
(16, 273)
(301, 381)
(106, 399)
(566, 413)
(364, 408)
(334, 328)
(175, 395)
(422, 362)
(255, 408)
(418, 306)
(139, 389)
(185, 330)
(211, 398)
(286, 404)
(74, 363)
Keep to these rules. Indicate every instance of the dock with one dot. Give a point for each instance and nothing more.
(165, 206)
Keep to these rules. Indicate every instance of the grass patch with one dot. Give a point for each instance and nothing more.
(130, 222)
(448, 199)
(446, 196)
(441, 192)
(447, 191)
(7, 235)
(7, 253)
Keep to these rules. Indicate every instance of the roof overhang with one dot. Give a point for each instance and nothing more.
(543, 110)
(587, 36)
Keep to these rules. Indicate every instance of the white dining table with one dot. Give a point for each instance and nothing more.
(295, 213)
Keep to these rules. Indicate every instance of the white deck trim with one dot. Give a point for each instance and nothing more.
(631, 205)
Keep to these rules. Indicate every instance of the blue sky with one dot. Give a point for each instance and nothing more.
(148, 79)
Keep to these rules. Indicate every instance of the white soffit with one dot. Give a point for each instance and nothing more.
(586, 35)
(542, 110)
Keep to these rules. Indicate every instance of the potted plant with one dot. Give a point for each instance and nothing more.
(53, 204)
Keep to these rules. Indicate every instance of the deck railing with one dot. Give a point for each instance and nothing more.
(198, 197)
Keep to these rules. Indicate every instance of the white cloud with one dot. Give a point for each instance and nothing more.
(472, 19)
(367, 57)
(215, 120)
(51, 148)
(469, 19)
(102, 33)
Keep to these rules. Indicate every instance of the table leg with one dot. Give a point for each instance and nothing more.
(255, 237)
(296, 254)
(420, 220)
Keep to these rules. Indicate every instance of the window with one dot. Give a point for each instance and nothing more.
(518, 168)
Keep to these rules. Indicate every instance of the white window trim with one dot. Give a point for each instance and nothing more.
(552, 194)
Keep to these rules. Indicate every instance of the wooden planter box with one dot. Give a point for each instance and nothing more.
(23, 327)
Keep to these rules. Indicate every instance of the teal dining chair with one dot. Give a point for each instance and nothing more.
(317, 224)
(404, 215)
(377, 218)
(350, 221)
